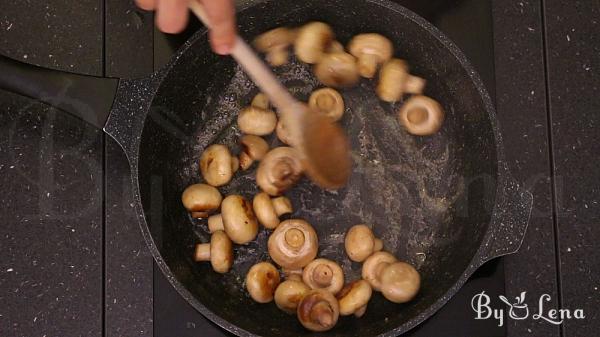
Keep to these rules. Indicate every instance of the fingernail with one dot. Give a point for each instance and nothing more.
(222, 49)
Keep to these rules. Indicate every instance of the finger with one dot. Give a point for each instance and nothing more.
(221, 14)
(172, 15)
(147, 5)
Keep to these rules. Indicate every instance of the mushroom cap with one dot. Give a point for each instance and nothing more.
(221, 252)
(215, 223)
(280, 169)
(282, 205)
(327, 101)
(265, 210)
(311, 41)
(261, 101)
(255, 121)
(261, 281)
(337, 70)
(293, 244)
(238, 219)
(392, 80)
(253, 148)
(371, 49)
(359, 243)
(335, 47)
(421, 115)
(289, 294)
(324, 274)
(354, 296)
(318, 310)
(284, 134)
(400, 282)
(373, 266)
(216, 165)
(274, 38)
(201, 198)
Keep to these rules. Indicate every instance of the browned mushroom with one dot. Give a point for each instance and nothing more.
(217, 165)
(373, 265)
(293, 244)
(253, 148)
(324, 274)
(421, 115)
(238, 219)
(400, 282)
(354, 297)
(219, 252)
(371, 50)
(318, 310)
(261, 281)
(269, 210)
(360, 243)
(280, 169)
(327, 101)
(275, 44)
(395, 81)
(201, 199)
(312, 40)
(255, 121)
(337, 70)
(289, 293)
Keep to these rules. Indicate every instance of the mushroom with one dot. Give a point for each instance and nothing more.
(400, 282)
(261, 101)
(354, 297)
(335, 47)
(275, 44)
(337, 70)
(284, 135)
(261, 281)
(289, 293)
(292, 274)
(253, 148)
(324, 274)
(371, 50)
(219, 252)
(293, 244)
(279, 170)
(215, 223)
(255, 121)
(312, 40)
(395, 81)
(217, 165)
(201, 199)
(238, 219)
(269, 210)
(318, 310)
(327, 101)
(421, 115)
(373, 265)
(360, 243)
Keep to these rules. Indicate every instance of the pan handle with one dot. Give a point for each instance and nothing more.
(87, 97)
(509, 221)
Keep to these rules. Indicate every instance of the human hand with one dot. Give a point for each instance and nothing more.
(172, 17)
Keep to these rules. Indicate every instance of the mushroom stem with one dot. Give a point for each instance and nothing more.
(199, 215)
(414, 84)
(294, 237)
(202, 252)
(282, 205)
(378, 245)
(322, 275)
(367, 65)
(215, 223)
(417, 115)
(322, 313)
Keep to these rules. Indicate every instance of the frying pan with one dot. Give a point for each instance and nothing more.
(445, 203)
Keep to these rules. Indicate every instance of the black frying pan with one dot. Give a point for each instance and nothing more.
(445, 203)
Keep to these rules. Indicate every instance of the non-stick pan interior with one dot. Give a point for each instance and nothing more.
(428, 198)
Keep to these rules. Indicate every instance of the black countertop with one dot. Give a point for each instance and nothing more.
(74, 262)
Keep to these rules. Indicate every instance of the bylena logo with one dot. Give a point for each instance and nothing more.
(519, 310)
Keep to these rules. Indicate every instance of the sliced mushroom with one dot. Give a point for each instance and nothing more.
(255, 121)
(318, 310)
(275, 44)
(354, 297)
(421, 115)
(269, 210)
(219, 252)
(395, 81)
(324, 274)
(372, 267)
(253, 148)
(261, 281)
(238, 219)
(327, 101)
(201, 199)
(371, 50)
(217, 165)
(261, 101)
(279, 170)
(337, 70)
(360, 243)
(400, 282)
(215, 223)
(312, 40)
(289, 294)
(293, 244)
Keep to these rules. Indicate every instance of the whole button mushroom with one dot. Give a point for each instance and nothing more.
(279, 170)
(215, 223)
(201, 199)
(238, 219)
(324, 274)
(275, 44)
(256, 121)
(219, 252)
(360, 243)
(253, 148)
(261, 101)
(269, 210)
(374, 265)
(312, 40)
(337, 70)
(421, 116)
(261, 281)
(217, 165)
(327, 101)
(354, 297)
(395, 81)
(318, 310)
(284, 134)
(400, 282)
(371, 50)
(293, 244)
(289, 293)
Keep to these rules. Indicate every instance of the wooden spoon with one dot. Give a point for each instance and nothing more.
(323, 143)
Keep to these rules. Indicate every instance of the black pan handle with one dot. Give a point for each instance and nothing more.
(87, 97)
